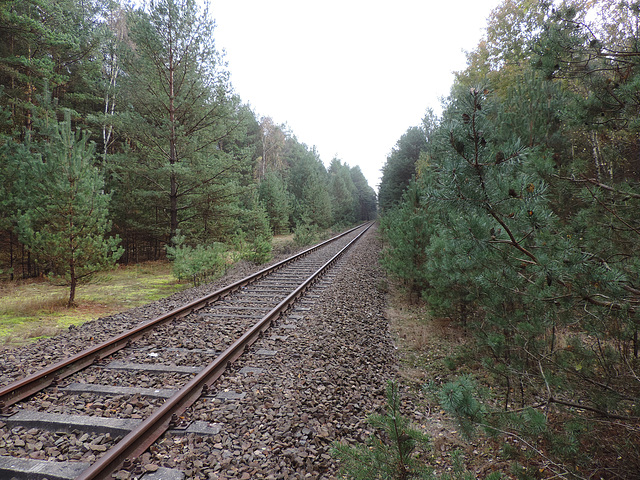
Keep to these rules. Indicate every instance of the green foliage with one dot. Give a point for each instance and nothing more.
(400, 167)
(9, 171)
(343, 193)
(48, 46)
(65, 220)
(177, 120)
(366, 196)
(199, 263)
(253, 240)
(274, 196)
(526, 194)
(459, 399)
(315, 205)
(307, 182)
(392, 452)
(396, 451)
(260, 250)
(178, 149)
(305, 234)
(407, 232)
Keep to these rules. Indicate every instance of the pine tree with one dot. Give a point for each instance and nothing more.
(530, 190)
(183, 117)
(66, 221)
(400, 167)
(344, 196)
(366, 196)
(407, 232)
(307, 181)
(276, 199)
(49, 46)
(392, 452)
(253, 234)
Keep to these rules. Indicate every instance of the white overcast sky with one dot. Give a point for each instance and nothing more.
(347, 76)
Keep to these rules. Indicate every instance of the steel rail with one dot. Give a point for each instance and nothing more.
(24, 387)
(138, 440)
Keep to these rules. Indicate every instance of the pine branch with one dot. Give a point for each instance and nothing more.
(615, 214)
(552, 399)
(513, 242)
(598, 183)
(561, 469)
(609, 304)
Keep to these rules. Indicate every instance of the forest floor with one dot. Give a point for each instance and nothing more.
(431, 352)
(435, 350)
(35, 308)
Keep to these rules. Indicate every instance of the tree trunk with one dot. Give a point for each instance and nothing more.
(173, 156)
(173, 206)
(597, 156)
(72, 285)
(11, 256)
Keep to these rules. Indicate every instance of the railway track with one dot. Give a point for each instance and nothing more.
(157, 370)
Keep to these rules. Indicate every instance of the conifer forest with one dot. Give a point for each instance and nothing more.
(513, 213)
(523, 202)
(122, 140)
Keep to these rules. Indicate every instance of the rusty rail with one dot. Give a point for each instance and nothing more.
(23, 388)
(139, 439)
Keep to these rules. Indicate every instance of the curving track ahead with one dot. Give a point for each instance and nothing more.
(272, 290)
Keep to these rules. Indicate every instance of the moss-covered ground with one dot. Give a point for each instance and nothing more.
(37, 308)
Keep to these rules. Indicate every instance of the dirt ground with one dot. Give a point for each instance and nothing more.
(427, 349)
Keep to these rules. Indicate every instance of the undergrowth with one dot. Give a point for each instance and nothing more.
(397, 450)
(36, 308)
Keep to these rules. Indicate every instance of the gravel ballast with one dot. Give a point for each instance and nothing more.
(311, 380)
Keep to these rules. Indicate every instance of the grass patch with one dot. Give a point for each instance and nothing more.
(283, 244)
(34, 309)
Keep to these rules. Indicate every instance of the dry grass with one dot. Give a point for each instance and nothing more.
(426, 347)
(15, 302)
(282, 241)
(33, 332)
(425, 343)
(36, 308)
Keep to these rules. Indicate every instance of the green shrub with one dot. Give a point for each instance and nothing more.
(459, 399)
(305, 234)
(260, 250)
(197, 263)
(391, 451)
(395, 451)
